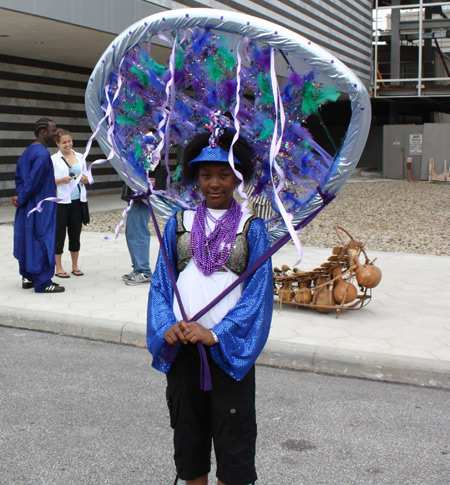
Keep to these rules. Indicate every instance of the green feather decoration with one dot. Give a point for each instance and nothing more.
(226, 57)
(308, 103)
(214, 69)
(179, 60)
(140, 107)
(152, 65)
(141, 76)
(127, 107)
(327, 93)
(177, 174)
(125, 120)
(267, 130)
(266, 89)
(158, 69)
(138, 149)
(137, 107)
(314, 96)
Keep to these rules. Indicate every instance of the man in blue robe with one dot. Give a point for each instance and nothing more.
(34, 234)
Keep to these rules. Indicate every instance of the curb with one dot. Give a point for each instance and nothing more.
(322, 360)
(364, 365)
(128, 333)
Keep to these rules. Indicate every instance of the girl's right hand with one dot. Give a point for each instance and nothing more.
(175, 335)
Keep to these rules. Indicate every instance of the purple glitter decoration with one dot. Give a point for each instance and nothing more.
(211, 252)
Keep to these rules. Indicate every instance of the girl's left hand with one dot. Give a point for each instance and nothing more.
(194, 332)
(84, 179)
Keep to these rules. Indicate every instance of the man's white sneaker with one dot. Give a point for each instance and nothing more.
(138, 279)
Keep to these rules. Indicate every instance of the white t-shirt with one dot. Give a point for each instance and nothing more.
(197, 290)
(61, 170)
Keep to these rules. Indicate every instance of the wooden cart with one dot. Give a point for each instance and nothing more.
(341, 283)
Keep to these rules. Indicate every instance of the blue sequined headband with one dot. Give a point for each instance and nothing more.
(209, 154)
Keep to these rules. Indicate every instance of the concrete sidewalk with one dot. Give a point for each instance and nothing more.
(403, 335)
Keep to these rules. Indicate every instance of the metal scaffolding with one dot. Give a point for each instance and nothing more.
(411, 43)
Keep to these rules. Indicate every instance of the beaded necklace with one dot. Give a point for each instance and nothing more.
(211, 252)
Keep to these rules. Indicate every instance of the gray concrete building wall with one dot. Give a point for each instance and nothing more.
(344, 27)
(49, 47)
(31, 89)
(111, 16)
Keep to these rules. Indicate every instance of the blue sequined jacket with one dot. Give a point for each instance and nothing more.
(242, 333)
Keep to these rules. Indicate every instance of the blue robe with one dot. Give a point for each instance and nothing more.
(242, 333)
(34, 236)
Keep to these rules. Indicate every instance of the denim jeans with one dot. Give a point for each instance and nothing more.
(138, 237)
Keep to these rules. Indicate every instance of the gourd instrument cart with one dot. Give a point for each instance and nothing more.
(341, 283)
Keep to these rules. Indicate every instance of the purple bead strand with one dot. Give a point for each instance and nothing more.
(211, 252)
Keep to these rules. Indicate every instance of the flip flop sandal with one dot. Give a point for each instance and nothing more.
(77, 272)
(62, 275)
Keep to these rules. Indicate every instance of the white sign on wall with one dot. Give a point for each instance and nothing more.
(415, 144)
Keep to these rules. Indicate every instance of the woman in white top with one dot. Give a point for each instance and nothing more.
(67, 165)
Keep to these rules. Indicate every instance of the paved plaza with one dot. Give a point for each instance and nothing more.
(402, 335)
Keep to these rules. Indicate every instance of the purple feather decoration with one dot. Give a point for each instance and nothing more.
(229, 91)
(166, 77)
(180, 78)
(296, 79)
(288, 93)
(134, 85)
(175, 129)
(211, 98)
(201, 41)
(262, 57)
(183, 110)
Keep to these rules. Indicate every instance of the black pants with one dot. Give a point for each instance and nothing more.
(224, 416)
(68, 217)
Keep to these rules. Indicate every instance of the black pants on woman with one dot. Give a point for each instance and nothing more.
(68, 218)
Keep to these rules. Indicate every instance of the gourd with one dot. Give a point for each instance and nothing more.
(303, 295)
(323, 298)
(367, 275)
(343, 292)
(286, 293)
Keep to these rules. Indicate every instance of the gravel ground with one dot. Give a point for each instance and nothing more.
(390, 215)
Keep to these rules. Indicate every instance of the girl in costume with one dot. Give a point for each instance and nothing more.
(207, 249)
